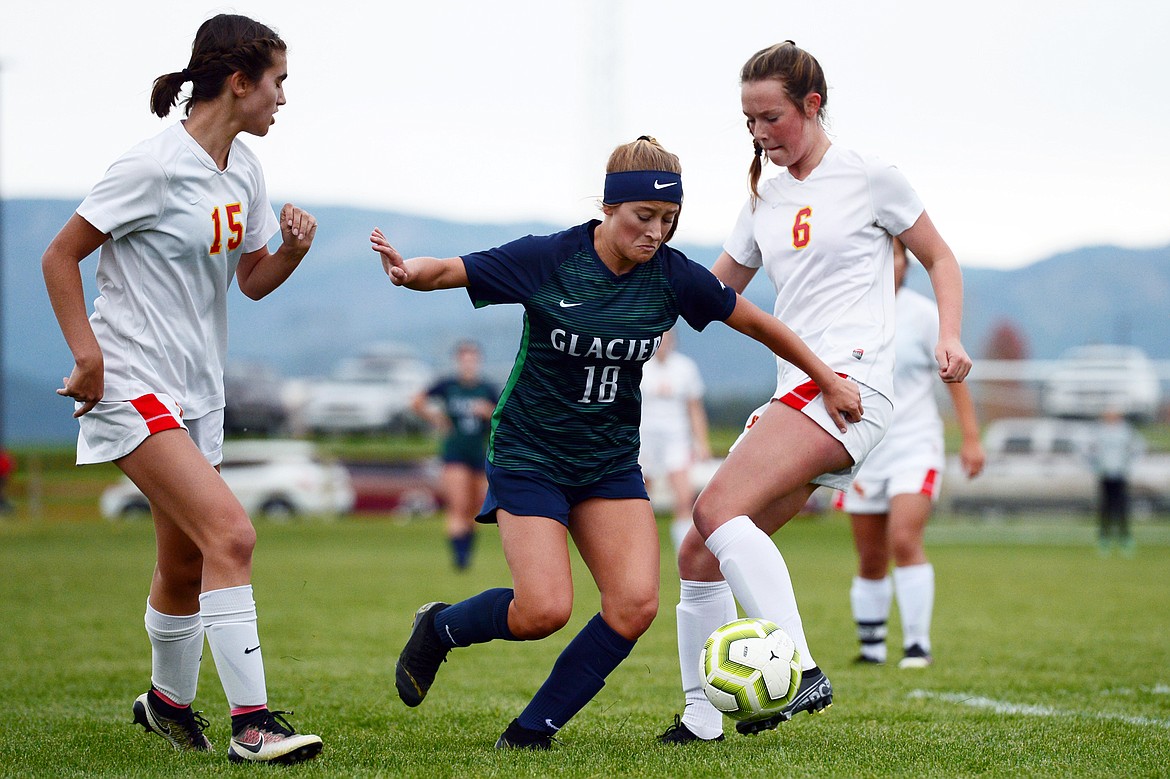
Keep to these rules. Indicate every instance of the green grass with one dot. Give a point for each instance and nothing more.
(1050, 661)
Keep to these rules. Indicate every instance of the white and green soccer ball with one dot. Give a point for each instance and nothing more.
(750, 669)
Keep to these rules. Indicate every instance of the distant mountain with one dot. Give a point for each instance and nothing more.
(340, 300)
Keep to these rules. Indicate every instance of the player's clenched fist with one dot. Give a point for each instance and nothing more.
(297, 228)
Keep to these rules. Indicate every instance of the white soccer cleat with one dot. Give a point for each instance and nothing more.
(270, 739)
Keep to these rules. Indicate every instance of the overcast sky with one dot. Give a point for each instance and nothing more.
(1027, 126)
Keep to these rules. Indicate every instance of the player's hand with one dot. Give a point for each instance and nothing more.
(843, 402)
(953, 362)
(84, 385)
(392, 262)
(297, 229)
(972, 458)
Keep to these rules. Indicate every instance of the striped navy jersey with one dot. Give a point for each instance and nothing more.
(571, 406)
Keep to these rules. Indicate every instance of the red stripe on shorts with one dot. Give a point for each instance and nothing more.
(155, 414)
(806, 393)
(930, 483)
(801, 396)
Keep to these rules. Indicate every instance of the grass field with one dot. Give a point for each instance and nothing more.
(1050, 661)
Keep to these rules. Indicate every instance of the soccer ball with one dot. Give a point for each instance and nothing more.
(750, 669)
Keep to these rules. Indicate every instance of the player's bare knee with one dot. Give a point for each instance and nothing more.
(633, 617)
(235, 543)
(906, 550)
(695, 561)
(538, 620)
(709, 512)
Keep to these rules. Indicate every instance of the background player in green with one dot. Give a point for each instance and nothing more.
(460, 407)
(563, 455)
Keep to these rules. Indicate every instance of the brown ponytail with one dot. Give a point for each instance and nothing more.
(165, 93)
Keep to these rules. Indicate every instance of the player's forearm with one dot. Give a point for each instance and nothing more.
(964, 411)
(67, 296)
(260, 275)
(430, 273)
(947, 280)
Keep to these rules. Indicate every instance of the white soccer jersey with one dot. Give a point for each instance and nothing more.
(177, 227)
(668, 386)
(915, 435)
(825, 244)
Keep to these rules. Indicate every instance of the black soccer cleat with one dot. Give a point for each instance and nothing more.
(915, 657)
(814, 696)
(678, 733)
(182, 728)
(519, 737)
(864, 659)
(414, 673)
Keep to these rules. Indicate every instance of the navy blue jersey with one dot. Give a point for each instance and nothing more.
(467, 440)
(571, 407)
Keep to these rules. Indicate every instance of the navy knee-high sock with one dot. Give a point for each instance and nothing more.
(477, 620)
(577, 676)
(461, 547)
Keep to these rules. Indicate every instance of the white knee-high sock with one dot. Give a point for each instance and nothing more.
(758, 576)
(914, 588)
(229, 617)
(870, 599)
(702, 607)
(176, 644)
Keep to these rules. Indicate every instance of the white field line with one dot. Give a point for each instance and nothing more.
(1031, 710)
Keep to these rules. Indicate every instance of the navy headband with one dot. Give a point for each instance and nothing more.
(635, 185)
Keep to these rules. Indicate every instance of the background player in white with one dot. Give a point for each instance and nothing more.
(892, 495)
(176, 218)
(822, 230)
(673, 429)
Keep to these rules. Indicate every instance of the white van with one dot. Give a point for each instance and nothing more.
(1043, 464)
(1090, 379)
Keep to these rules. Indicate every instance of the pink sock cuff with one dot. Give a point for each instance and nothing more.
(168, 700)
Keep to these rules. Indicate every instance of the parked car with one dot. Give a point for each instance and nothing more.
(1091, 379)
(410, 488)
(255, 400)
(274, 478)
(368, 393)
(1042, 464)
